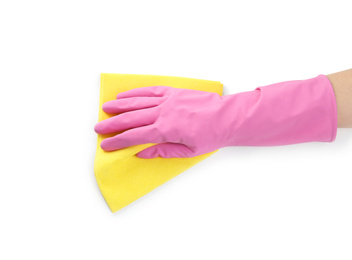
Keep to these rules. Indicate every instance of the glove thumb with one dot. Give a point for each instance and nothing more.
(166, 150)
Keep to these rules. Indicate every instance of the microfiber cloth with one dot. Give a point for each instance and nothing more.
(123, 177)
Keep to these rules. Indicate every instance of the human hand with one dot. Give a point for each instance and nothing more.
(187, 123)
(183, 122)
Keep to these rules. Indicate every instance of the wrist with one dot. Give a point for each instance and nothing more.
(282, 113)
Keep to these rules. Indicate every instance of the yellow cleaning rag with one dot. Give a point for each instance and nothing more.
(123, 177)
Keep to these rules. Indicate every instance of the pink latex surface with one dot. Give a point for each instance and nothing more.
(187, 123)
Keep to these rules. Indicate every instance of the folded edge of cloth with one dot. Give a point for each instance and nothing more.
(122, 177)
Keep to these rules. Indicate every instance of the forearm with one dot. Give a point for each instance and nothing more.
(342, 84)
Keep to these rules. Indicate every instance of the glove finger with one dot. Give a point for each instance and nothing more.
(128, 104)
(126, 121)
(135, 136)
(153, 91)
(166, 150)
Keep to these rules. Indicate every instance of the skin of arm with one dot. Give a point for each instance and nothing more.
(342, 84)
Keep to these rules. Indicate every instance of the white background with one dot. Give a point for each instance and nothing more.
(291, 202)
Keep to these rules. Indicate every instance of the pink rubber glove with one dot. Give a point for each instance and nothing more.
(187, 123)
